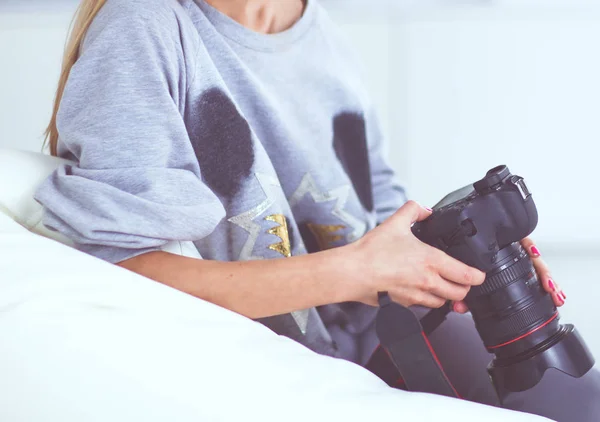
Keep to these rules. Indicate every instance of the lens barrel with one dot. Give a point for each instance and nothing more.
(519, 323)
(511, 303)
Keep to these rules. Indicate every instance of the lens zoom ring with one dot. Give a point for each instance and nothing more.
(516, 324)
(503, 278)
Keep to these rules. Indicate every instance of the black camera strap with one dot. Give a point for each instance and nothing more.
(404, 338)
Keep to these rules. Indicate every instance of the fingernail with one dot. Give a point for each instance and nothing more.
(428, 209)
(535, 251)
(564, 296)
(562, 301)
(551, 285)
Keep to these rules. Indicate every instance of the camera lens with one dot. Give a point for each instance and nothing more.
(512, 312)
(519, 323)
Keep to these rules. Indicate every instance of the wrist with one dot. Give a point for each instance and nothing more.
(352, 273)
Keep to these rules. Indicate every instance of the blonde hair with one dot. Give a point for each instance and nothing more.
(86, 12)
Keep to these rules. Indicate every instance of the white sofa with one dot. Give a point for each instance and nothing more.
(83, 340)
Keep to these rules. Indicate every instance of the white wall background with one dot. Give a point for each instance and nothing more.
(462, 86)
(31, 45)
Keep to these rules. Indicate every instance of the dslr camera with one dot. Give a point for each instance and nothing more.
(482, 225)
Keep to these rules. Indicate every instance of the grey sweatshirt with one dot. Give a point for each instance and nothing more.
(187, 126)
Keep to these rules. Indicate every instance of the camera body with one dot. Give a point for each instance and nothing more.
(474, 223)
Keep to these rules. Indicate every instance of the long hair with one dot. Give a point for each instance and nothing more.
(86, 12)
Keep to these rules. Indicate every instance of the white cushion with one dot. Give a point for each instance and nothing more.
(21, 172)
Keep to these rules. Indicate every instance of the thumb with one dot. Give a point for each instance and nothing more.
(412, 212)
(460, 307)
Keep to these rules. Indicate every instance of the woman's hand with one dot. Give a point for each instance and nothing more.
(543, 273)
(391, 259)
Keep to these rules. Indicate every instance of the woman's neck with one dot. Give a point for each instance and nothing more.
(264, 16)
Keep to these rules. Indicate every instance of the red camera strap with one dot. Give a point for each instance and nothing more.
(404, 339)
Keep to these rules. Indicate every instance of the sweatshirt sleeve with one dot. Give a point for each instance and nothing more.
(136, 184)
(388, 194)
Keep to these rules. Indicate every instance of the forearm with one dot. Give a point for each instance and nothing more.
(256, 289)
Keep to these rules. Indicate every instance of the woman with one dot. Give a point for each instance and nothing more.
(243, 126)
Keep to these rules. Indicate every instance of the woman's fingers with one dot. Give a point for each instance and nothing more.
(410, 213)
(449, 290)
(548, 282)
(453, 270)
(460, 307)
(418, 297)
(531, 248)
(543, 272)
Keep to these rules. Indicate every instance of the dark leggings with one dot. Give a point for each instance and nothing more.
(558, 396)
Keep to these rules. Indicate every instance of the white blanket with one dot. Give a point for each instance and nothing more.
(82, 340)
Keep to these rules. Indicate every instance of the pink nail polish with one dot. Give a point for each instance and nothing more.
(428, 209)
(564, 296)
(535, 251)
(551, 285)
